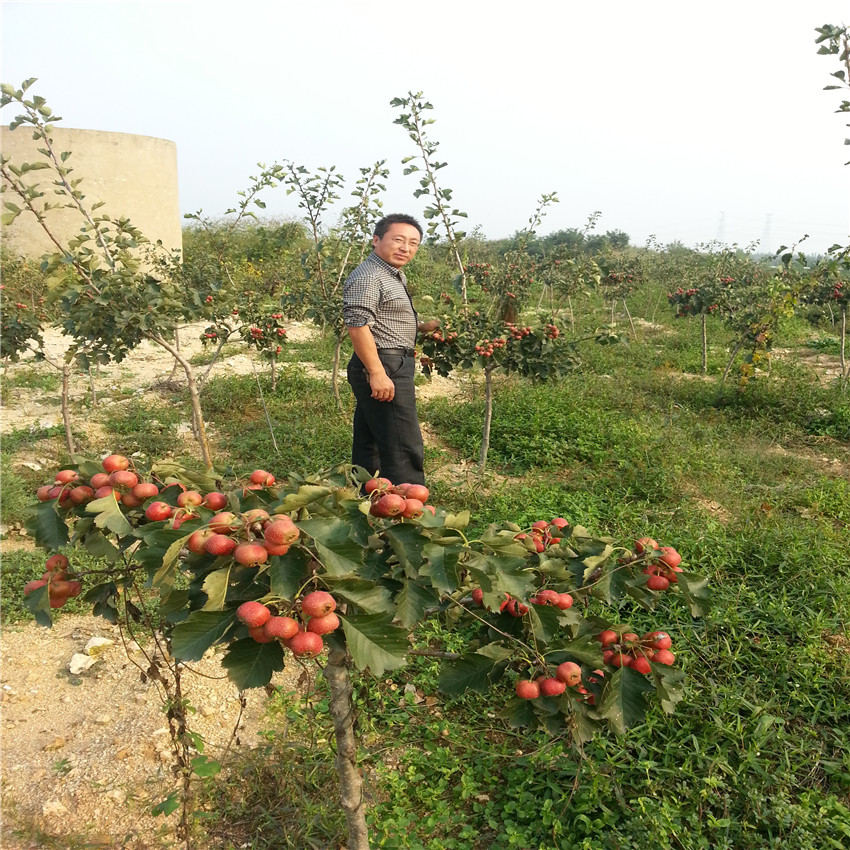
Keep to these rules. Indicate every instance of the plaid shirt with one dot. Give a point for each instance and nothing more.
(375, 294)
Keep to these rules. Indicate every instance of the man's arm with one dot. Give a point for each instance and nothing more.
(383, 389)
(428, 327)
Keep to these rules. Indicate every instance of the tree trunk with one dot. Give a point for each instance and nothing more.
(92, 388)
(631, 320)
(66, 412)
(572, 315)
(488, 418)
(350, 782)
(735, 351)
(198, 424)
(704, 345)
(845, 372)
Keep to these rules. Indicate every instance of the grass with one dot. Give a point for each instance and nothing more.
(752, 487)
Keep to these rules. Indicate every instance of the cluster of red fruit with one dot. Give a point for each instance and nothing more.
(304, 638)
(60, 588)
(567, 675)
(406, 501)
(517, 332)
(487, 346)
(552, 331)
(544, 534)
(662, 563)
(515, 608)
(629, 650)
(438, 336)
(116, 478)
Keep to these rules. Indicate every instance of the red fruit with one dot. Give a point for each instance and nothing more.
(260, 476)
(57, 491)
(260, 515)
(607, 637)
(641, 665)
(66, 476)
(224, 522)
(59, 588)
(250, 554)
(275, 549)
(418, 491)
(253, 614)
(56, 562)
(214, 501)
(657, 583)
(306, 644)
(664, 656)
(114, 463)
(99, 479)
(645, 543)
(144, 490)
(526, 689)
(318, 604)
(130, 501)
(569, 673)
(260, 635)
(619, 659)
(197, 540)
(430, 508)
(76, 588)
(281, 530)
(564, 601)
(281, 627)
(629, 637)
(478, 596)
(658, 640)
(58, 601)
(552, 687)
(106, 490)
(412, 508)
(30, 586)
(539, 545)
(82, 494)
(559, 522)
(123, 479)
(157, 511)
(541, 525)
(190, 499)
(323, 625)
(389, 505)
(607, 655)
(219, 544)
(514, 607)
(43, 493)
(547, 596)
(377, 485)
(56, 575)
(670, 557)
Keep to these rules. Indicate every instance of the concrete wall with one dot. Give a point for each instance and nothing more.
(135, 177)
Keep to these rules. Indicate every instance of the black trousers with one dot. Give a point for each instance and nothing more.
(387, 437)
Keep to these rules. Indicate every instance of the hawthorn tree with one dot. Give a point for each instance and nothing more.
(310, 571)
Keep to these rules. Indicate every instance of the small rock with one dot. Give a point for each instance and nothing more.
(57, 744)
(80, 662)
(117, 796)
(123, 753)
(206, 711)
(103, 720)
(98, 645)
(53, 808)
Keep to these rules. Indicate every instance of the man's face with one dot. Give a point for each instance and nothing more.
(398, 245)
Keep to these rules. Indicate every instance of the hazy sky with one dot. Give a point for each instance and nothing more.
(691, 121)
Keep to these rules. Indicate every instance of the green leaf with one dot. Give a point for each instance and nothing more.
(108, 515)
(204, 766)
(472, 672)
(374, 643)
(545, 622)
(412, 602)
(442, 567)
(193, 637)
(694, 588)
(623, 703)
(287, 572)
(340, 555)
(215, 587)
(306, 495)
(250, 664)
(170, 804)
(459, 521)
(407, 542)
(98, 545)
(510, 575)
(38, 603)
(668, 685)
(368, 595)
(47, 527)
(520, 714)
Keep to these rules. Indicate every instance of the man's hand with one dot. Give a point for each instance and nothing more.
(383, 389)
(428, 327)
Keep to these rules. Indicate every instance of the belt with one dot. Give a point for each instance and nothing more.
(401, 352)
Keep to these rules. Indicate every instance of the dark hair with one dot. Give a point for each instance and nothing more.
(396, 218)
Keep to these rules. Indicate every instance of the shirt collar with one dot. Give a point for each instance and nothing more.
(391, 269)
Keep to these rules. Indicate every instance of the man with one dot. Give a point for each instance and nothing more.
(382, 325)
